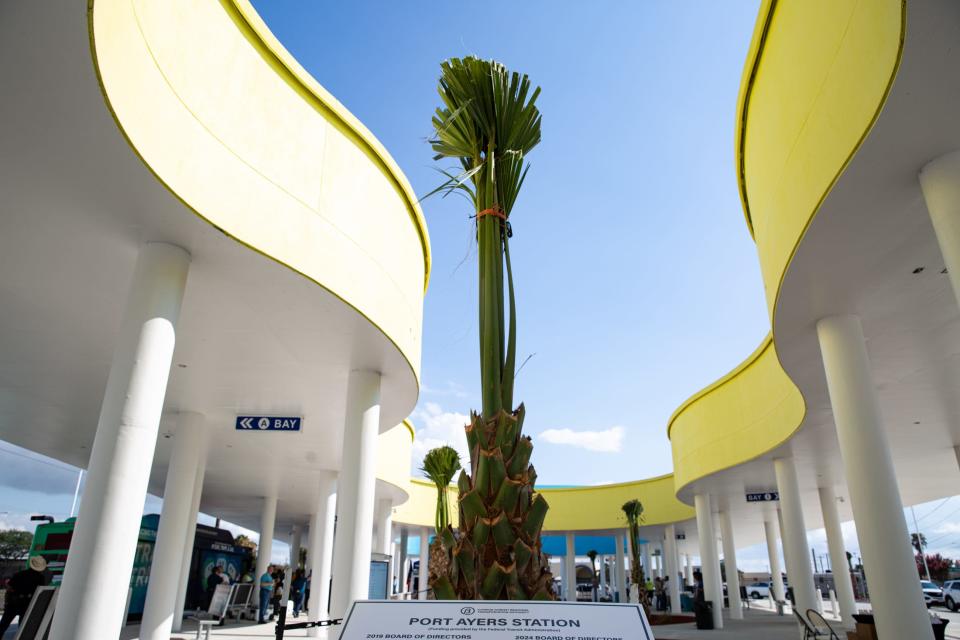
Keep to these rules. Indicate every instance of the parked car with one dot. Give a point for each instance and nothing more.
(758, 590)
(951, 594)
(932, 594)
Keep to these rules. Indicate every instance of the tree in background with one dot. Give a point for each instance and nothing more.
(14, 544)
(488, 123)
(938, 565)
(633, 509)
(592, 554)
(440, 465)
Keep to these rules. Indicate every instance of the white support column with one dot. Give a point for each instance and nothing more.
(895, 592)
(293, 562)
(394, 565)
(384, 525)
(673, 571)
(570, 570)
(268, 518)
(770, 530)
(709, 561)
(191, 534)
(795, 548)
(91, 601)
(351, 555)
(321, 550)
(168, 551)
(940, 184)
(601, 562)
(648, 568)
(404, 540)
(730, 564)
(838, 558)
(620, 574)
(423, 573)
(687, 570)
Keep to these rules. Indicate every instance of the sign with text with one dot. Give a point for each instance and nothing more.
(494, 620)
(268, 423)
(763, 496)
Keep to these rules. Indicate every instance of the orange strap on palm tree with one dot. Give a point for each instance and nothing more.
(492, 211)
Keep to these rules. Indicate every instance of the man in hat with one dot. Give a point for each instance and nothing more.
(20, 590)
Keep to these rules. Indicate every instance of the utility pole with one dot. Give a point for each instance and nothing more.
(926, 569)
(813, 552)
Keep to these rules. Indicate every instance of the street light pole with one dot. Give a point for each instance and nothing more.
(923, 556)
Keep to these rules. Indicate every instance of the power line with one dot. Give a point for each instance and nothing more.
(928, 513)
(62, 466)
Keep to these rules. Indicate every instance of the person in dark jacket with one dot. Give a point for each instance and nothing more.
(20, 590)
(215, 578)
(297, 588)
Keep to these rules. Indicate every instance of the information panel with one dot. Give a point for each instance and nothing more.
(494, 620)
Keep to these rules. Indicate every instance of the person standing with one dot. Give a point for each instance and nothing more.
(297, 588)
(215, 578)
(266, 593)
(20, 590)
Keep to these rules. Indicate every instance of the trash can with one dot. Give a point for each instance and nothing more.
(686, 602)
(703, 612)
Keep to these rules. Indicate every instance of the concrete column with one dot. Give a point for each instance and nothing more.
(169, 550)
(620, 575)
(730, 564)
(709, 561)
(191, 534)
(895, 592)
(91, 601)
(394, 569)
(770, 530)
(570, 569)
(648, 568)
(384, 526)
(673, 571)
(940, 184)
(838, 557)
(294, 561)
(404, 541)
(268, 518)
(601, 560)
(351, 554)
(423, 573)
(322, 523)
(687, 570)
(795, 548)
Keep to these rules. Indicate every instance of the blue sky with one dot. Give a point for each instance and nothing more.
(637, 281)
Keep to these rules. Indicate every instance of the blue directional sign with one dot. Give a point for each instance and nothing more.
(268, 423)
(764, 496)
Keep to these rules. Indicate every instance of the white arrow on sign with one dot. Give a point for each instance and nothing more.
(245, 423)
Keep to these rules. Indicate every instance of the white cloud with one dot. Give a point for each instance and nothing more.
(436, 428)
(451, 388)
(606, 441)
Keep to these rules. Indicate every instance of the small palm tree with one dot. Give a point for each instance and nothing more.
(440, 465)
(488, 123)
(634, 512)
(592, 554)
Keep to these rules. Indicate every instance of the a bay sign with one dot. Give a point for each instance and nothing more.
(268, 423)
(764, 496)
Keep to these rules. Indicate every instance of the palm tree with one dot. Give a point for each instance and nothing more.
(440, 465)
(633, 509)
(592, 554)
(487, 124)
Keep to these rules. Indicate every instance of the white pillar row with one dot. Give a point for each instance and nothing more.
(189, 538)
(570, 569)
(322, 524)
(620, 575)
(770, 531)
(940, 184)
(795, 548)
(673, 584)
(687, 570)
(648, 568)
(91, 600)
(709, 561)
(168, 551)
(730, 564)
(384, 526)
(895, 594)
(423, 572)
(838, 557)
(351, 554)
(268, 518)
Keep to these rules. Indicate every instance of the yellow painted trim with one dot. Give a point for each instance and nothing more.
(347, 121)
(411, 429)
(260, 36)
(764, 14)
